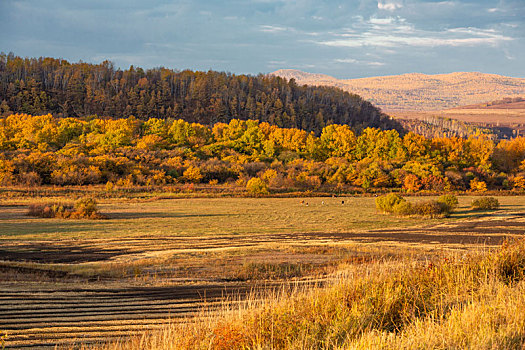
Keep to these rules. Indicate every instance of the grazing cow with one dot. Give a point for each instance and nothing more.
(342, 202)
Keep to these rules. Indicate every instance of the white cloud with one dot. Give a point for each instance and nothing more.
(272, 29)
(380, 21)
(388, 6)
(345, 60)
(394, 32)
(354, 61)
(375, 63)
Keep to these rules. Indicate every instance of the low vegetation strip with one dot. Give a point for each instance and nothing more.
(247, 156)
(475, 301)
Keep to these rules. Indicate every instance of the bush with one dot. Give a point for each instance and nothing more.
(485, 203)
(449, 201)
(256, 187)
(387, 202)
(49, 210)
(393, 203)
(403, 208)
(85, 208)
(430, 209)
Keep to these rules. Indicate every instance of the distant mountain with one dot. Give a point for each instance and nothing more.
(417, 91)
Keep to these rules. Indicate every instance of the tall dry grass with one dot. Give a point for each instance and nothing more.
(460, 302)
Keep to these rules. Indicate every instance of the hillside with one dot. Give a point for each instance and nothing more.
(64, 89)
(506, 103)
(416, 92)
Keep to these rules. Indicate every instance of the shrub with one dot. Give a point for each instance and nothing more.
(393, 203)
(449, 200)
(85, 208)
(387, 202)
(49, 210)
(431, 209)
(485, 203)
(110, 186)
(403, 208)
(256, 186)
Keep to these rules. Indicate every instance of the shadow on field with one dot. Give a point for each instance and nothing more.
(158, 215)
(51, 253)
(414, 236)
(33, 226)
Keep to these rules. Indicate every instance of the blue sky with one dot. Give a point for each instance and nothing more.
(345, 39)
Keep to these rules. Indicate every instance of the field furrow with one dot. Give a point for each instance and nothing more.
(43, 319)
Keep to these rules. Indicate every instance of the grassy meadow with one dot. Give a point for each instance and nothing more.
(153, 259)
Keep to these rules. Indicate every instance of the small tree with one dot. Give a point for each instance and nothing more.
(478, 186)
(193, 174)
(411, 183)
(256, 187)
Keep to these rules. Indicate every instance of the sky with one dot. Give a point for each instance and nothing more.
(344, 39)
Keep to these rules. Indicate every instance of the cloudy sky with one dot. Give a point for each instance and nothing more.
(345, 39)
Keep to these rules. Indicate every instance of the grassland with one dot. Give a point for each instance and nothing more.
(474, 301)
(154, 262)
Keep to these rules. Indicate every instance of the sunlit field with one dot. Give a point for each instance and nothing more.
(153, 262)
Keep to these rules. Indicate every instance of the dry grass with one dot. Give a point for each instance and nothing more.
(175, 244)
(458, 303)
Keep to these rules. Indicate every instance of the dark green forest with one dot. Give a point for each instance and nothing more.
(47, 85)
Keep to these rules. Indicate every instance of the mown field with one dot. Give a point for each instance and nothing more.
(153, 262)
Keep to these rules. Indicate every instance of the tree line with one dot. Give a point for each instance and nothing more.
(47, 85)
(36, 150)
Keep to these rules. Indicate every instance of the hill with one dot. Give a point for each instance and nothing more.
(506, 103)
(48, 85)
(416, 92)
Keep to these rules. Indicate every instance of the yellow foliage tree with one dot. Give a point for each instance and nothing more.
(478, 186)
(192, 174)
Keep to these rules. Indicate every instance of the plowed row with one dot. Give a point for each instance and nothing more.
(44, 319)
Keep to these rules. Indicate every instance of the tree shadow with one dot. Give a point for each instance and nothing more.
(159, 215)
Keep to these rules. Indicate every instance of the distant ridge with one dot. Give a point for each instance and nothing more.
(417, 91)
